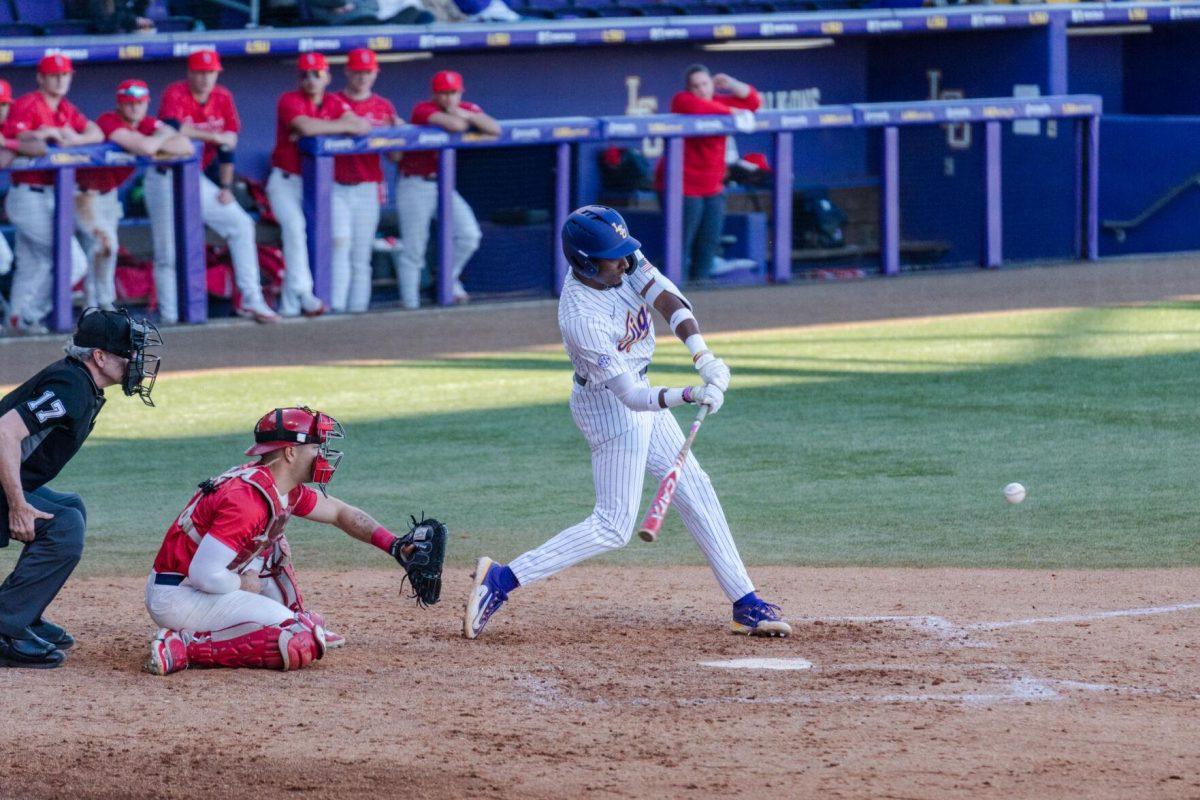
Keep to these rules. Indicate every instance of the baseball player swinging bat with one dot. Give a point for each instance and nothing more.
(657, 512)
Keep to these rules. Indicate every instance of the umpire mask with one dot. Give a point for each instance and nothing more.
(118, 333)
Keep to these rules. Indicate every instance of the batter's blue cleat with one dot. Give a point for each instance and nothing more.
(487, 595)
(755, 617)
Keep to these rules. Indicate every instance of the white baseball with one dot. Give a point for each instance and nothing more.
(1014, 493)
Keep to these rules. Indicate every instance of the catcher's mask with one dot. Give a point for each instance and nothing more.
(118, 333)
(285, 427)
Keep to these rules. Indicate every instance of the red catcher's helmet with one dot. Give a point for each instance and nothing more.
(286, 427)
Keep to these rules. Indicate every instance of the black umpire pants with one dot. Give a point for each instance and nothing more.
(45, 563)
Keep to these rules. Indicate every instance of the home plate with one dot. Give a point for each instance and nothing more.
(759, 663)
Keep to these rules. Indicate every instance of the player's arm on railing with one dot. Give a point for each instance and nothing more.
(163, 141)
(482, 122)
(91, 134)
(348, 124)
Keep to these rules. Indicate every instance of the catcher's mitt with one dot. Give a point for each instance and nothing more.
(423, 566)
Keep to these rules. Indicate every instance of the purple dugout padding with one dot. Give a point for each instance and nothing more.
(318, 215)
(542, 34)
(447, 164)
(189, 243)
(1091, 155)
(673, 213)
(62, 313)
(889, 198)
(781, 261)
(562, 207)
(993, 234)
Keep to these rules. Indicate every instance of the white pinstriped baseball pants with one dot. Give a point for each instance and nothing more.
(625, 446)
(356, 208)
(229, 220)
(416, 204)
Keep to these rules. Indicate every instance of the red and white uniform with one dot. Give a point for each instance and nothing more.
(246, 514)
(704, 156)
(416, 201)
(98, 218)
(358, 194)
(30, 206)
(286, 193)
(217, 114)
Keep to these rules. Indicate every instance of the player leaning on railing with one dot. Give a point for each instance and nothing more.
(604, 314)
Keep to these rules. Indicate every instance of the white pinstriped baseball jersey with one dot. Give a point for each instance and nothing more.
(607, 333)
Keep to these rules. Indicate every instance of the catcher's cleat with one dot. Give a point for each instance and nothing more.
(334, 640)
(168, 653)
(758, 618)
(485, 599)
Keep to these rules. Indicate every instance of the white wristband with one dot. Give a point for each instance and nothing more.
(695, 344)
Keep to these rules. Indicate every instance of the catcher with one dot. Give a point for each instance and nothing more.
(223, 589)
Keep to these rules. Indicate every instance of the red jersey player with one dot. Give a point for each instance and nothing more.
(28, 146)
(223, 588)
(307, 111)
(358, 187)
(97, 207)
(704, 162)
(45, 115)
(204, 111)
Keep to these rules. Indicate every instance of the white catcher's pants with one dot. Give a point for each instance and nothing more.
(229, 220)
(32, 213)
(355, 215)
(184, 607)
(416, 202)
(625, 446)
(103, 213)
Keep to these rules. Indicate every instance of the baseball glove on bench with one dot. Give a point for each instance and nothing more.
(423, 564)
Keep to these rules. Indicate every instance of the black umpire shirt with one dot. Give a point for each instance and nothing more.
(59, 406)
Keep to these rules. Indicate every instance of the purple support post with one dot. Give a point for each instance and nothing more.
(673, 213)
(317, 174)
(889, 196)
(993, 230)
(1087, 188)
(562, 208)
(781, 261)
(445, 216)
(1057, 60)
(189, 243)
(62, 315)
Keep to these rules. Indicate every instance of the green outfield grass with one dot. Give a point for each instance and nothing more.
(879, 445)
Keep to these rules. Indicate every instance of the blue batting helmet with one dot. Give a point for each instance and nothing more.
(595, 232)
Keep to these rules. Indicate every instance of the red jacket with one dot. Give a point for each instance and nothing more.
(704, 156)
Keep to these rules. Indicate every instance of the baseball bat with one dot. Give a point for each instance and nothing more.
(657, 512)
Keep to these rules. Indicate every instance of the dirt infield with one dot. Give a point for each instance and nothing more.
(931, 683)
(902, 683)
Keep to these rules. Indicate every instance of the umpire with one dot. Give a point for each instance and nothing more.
(43, 423)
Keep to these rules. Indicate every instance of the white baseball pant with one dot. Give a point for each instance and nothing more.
(416, 202)
(286, 193)
(102, 212)
(31, 209)
(6, 256)
(625, 446)
(229, 220)
(184, 607)
(351, 279)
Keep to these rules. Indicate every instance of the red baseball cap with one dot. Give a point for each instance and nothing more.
(5, 92)
(204, 61)
(132, 91)
(447, 81)
(312, 62)
(362, 60)
(55, 64)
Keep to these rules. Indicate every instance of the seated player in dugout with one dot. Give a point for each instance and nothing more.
(223, 589)
(43, 423)
(604, 316)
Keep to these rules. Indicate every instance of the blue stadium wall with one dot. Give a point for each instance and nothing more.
(1149, 82)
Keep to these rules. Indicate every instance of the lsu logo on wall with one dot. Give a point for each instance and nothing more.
(636, 329)
(958, 135)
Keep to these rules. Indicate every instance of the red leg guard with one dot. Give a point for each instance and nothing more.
(286, 646)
